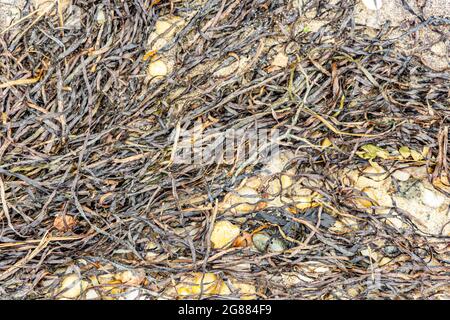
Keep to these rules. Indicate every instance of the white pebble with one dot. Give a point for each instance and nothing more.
(157, 68)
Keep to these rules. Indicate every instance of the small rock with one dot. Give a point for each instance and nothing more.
(276, 245)
(243, 200)
(104, 278)
(391, 251)
(253, 183)
(72, 287)
(305, 202)
(223, 234)
(157, 69)
(279, 185)
(169, 26)
(260, 241)
(372, 177)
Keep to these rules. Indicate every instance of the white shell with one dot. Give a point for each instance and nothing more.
(373, 4)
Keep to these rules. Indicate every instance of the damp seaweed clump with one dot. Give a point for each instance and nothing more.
(116, 181)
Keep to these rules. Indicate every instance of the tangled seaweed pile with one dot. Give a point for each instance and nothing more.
(92, 111)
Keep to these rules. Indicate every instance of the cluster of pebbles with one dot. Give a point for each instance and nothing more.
(88, 281)
(401, 195)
